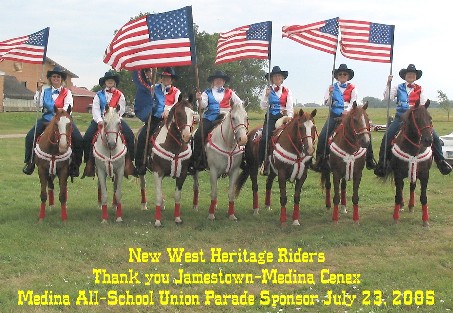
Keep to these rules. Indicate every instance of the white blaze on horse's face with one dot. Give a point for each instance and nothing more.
(366, 137)
(186, 131)
(239, 124)
(63, 143)
(309, 126)
(111, 128)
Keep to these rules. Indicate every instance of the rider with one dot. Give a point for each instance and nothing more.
(60, 97)
(165, 97)
(214, 101)
(407, 94)
(279, 100)
(342, 95)
(110, 96)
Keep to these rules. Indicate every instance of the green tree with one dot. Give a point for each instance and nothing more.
(444, 103)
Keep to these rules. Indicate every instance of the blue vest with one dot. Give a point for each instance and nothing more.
(274, 102)
(337, 101)
(402, 99)
(48, 104)
(213, 109)
(159, 101)
(102, 100)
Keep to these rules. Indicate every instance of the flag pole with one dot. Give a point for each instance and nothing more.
(268, 112)
(153, 81)
(389, 86)
(37, 113)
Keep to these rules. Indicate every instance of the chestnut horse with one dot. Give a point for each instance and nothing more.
(171, 154)
(348, 145)
(412, 158)
(292, 150)
(109, 150)
(224, 152)
(52, 156)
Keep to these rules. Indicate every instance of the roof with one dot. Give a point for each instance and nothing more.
(52, 62)
(82, 92)
(13, 89)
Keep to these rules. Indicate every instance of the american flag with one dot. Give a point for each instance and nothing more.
(28, 49)
(245, 42)
(154, 40)
(321, 35)
(366, 41)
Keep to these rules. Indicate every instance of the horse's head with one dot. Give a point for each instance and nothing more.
(182, 116)
(62, 129)
(112, 127)
(357, 122)
(306, 130)
(418, 124)
(239, 123)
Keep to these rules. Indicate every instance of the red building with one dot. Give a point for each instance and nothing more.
(83, 99)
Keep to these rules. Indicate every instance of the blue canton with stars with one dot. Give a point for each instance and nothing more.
(259, 31)
(331, 27)
(381, 34)
(168, 25)
(38, 38)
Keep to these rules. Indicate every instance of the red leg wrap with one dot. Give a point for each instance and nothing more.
(105, 214)
(158, 214)
(64, 213)
(396, 211)
(335, 215)
(256, 204)
(230, 207)
(283, 215)
(119, 210)
(42, 210)
(143, 192)
(212, 206)
(177, 210)
(51, 197)
(296, 212)
(355, 214)
(195, 197)
(425, 215)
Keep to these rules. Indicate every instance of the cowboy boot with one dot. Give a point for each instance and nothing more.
(129, 168)
(444, 167)
(29, 168)
(370, 162)
(89, 170)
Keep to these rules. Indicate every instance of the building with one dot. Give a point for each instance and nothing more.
(83, 99)
(28, 75)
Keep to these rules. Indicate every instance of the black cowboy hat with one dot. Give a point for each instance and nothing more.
(169, 71)
(110, 75)
(219, 74)
(277, 70)
(410, 69)
(58, 70)
(343, 68)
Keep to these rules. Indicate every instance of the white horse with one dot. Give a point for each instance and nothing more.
(110, 151)
(224, 151)
(171, 154)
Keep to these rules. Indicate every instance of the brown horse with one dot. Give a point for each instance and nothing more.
(171, 154)
(52, 157)
(292, 150)
(412, 158)
(348, 145)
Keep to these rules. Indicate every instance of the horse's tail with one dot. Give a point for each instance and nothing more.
(243, 176)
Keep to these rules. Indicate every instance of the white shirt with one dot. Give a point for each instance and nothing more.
(68, 100)
(203, 104)
(394, 92)
(96, 109)
(264, 103)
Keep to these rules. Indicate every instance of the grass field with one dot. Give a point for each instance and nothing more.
(403, 268)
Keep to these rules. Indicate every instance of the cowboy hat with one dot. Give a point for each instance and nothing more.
(343, 68)
(110, 75)
(59, 71)
(169, 71)
(277, 70)
(219, 74)
(410, 69)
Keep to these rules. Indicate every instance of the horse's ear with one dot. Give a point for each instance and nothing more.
(117, 108)
(69, 109)
(417, 104)
(190, 97)
(313, 113)
(365, 106)
(354, 105)
(427, 103)
(301, 112)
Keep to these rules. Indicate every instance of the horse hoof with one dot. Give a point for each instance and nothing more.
(195, 207)
(268, 207)
(296, 223)
(51, 207)
(356, 222)
(178, 220)
(211, 217)
(335, 222)
(411, 209)
(232, 217)
(40, 220)
(144, 207)
(425, 224)
(157, 223)
(119, 219)
(256, 211)
(283, 224)
(104, 221)
(343, 209)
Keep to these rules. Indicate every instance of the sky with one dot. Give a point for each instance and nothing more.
(81, 30)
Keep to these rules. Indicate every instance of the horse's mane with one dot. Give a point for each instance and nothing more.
(110, 114)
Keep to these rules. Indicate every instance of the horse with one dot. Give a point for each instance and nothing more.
(348, 146)
(52, 156)
(412, 158)
(109, 150)
(292, 150)
(224, 152)
(170, 154)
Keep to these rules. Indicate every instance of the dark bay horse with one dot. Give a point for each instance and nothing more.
(52, 157)
(412, 158)
(348, 145)
(171, 154)
(292, 149)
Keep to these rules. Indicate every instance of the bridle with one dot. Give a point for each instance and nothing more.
(301, 138)
(180, 127)
(419, 129)
(57, 135)
(235, 128)
(356, 133)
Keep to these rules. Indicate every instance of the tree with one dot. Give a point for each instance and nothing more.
(444, 103)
